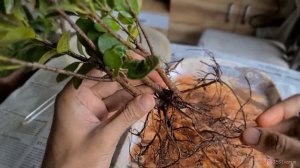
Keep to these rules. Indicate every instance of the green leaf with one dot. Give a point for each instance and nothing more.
(63, 43)
(121, 5)
(103, 2)
(5, 26)
(43, 6)
(73, 8)
(85, 24)
(94, 35)
(30, 50)
(9, 67)
(107, 41)
(125, 18)
(80, 48)
(110, 23)
(18, 34)
(48, 55)
(110, 3)
(113, 58)
(140, 69)
(9, 5)
(72, 67)
(84, 69)
(134, 31)
(136, 6)
(18, 13)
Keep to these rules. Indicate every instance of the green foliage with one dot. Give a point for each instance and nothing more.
(85, 68)
(72, 68)
(113, 58)
(85, 25)
(121, 5)
(88, 27)
(80, 48)
(30, 31)
(125, 18)
(17, 34)
(110, 23)
(72, 8)
(9, 6)
(45, 28)
(63, 43)
(106, 41)
(47, 56)
(140, 69)
(28, 50)
(76, 67)
(9, 67)
(134, 31)
(21, 23)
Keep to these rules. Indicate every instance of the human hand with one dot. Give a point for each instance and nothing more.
(84, 131)
(279, 132)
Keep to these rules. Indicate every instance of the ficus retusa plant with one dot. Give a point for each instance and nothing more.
(108, 32)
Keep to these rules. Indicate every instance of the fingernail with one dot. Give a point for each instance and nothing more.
(251, 136)
(147, 102)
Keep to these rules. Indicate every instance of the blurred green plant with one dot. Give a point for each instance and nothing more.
(106, 32)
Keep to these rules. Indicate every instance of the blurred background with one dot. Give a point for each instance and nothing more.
(263, 30)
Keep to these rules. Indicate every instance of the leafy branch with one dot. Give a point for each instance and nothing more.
(21, 63)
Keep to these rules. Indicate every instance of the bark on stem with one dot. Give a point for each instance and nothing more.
(161, 72)
(135, 92)
(147, 81)
(131, 89)
(52, 69)
(167, 80)
(141, 52)
(127, 86)
(145, 35)
(77, 29)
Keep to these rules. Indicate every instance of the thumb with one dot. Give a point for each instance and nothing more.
(273, 144)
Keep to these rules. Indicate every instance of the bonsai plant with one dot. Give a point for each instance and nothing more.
(33, 32)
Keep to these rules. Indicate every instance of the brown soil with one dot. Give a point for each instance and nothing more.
(207, 138)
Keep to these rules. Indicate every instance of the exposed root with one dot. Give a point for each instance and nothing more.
(199, 127)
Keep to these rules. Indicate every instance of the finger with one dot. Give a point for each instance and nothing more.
(105, 89)
(93, 73)
(123, 98)
(281, 111)
(135, 110)
(290, 127)
(92, 102)
(273, 144)
(154, 76)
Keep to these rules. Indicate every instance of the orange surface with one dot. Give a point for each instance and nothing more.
(223, 117)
